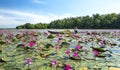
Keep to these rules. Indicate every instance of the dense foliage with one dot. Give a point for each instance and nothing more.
(35, 50)
(96, 21)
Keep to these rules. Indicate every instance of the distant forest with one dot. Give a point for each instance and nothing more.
(96, 21)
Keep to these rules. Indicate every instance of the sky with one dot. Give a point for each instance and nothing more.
(19, 12)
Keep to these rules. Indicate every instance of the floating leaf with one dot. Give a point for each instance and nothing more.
(65, 44)
(48, 45)
(2, 60)
(18, 36)
(0, 51)
(50, 36)
(98, 49)
(81, 42)
(20, 45)
(2, 42)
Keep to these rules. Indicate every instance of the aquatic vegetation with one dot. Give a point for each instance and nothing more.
(68, 67)
(54, 63)
(96, 53)
(25, 45)
(31, 44)
(60, 36)
(68, 52)
(30, 50)
(75, 54)
(50, 36)
(28, 61)
(59, 41)
(78, 47)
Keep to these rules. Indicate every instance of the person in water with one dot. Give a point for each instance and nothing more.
(75, 30)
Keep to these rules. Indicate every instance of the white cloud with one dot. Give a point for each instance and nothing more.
(10, 17)
(39, 2)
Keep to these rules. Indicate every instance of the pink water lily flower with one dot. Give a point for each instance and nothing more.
(68, 52)
(36, 38)
(96, 53)
(75, 54)
(25, 45)
(68, 67)
(60, 36)
(74, 34)
(54, 63)
(57, 47)
(31, 44)
(32, 34)
(28, 61)
(7, 42)
(58, 41)
(78, 47)
(103, 43)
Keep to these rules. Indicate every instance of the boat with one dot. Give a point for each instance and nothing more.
(55, 32)
(60, 32)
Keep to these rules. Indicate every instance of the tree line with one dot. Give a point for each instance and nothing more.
(96, 21)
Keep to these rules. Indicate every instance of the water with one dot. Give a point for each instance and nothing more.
(72, 30)
(112, 58)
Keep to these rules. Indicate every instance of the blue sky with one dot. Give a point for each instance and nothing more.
(18, 12)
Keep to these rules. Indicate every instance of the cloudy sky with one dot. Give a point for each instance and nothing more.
(18, 12)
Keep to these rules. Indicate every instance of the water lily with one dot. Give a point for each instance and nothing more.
(9, 37)
(75, 35)
(25, 45)
(54, 63)
(59, 41)
(102, 43)
(78, 47)
(56, 47)
(28, 61)
(31, 44)
(85, 40)
(75, 54)
(32, 34)
(60, 36)
(7, 42)
(68, 67)
(36, 38)
(24, 34)
(68, 52)
(96, 53)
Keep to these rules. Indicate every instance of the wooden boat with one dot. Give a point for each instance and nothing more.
(55, 32)
(60, 32)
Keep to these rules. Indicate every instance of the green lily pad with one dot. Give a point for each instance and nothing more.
(50, 36)
(65, 44)
(48, 45)
(2, 42)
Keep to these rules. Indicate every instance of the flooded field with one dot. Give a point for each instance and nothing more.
(41, 50)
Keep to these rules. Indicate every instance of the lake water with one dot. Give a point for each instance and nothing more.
(45, 30)
(88, 60)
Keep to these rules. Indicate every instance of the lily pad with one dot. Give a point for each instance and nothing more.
(50, 36)
(2, 42)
